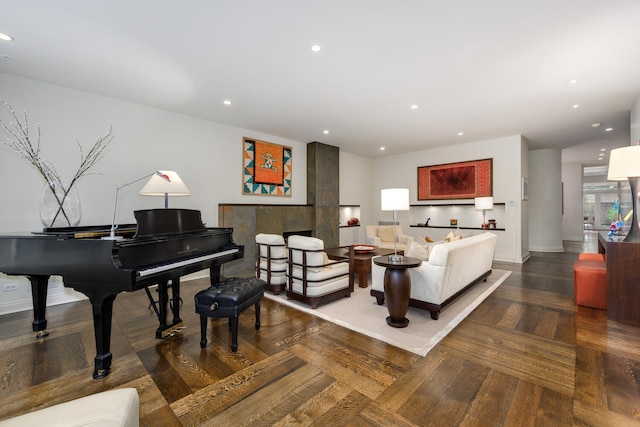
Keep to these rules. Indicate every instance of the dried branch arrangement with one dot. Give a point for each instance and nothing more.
(20, 142)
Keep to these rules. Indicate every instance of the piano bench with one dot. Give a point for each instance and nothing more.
(228, 299)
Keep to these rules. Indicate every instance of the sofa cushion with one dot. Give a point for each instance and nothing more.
(385, 233)
(419, 251)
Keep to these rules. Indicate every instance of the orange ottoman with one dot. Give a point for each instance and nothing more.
(590, 283)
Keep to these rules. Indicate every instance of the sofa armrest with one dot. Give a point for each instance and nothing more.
(373, 240)
(405, 239)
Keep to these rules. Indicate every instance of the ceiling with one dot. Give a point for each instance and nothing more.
(487, 69)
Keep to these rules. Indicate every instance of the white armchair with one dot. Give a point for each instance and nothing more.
(271, 261)
(382, 236)
(312, 277)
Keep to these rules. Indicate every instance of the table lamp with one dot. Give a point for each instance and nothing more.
(484, 204)
(394, 199)
(157, 186)
(624, 163)
(112, 234)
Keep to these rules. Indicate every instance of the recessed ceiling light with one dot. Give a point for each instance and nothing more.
(608, 129)
(460, 133)
(326, 131)
(596, 125)
(574, 106)
(572, 82)
(382, 148)
(227, 102)
(414, 107)
(316, 48)
(603, 149)
(6, 37)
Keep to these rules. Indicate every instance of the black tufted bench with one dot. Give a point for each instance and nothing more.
(228, 299)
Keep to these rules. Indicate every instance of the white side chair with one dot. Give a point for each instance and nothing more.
(271, 261)
(312, 277)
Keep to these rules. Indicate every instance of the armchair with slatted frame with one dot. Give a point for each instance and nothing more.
(271, 261)
(314, 279)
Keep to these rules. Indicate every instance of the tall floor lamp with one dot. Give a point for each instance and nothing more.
(157, 186)
(624, 163)
(484, 204)
(394, 199)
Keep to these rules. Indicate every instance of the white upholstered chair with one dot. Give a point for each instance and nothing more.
(271, 261)
(312, 277)
(382, 236)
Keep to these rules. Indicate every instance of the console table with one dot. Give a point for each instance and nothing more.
(623, 279)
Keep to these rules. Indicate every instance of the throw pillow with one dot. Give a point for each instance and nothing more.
(416, 250)
(428, 239)
(450, 237)
(326, 260)
(385, 233)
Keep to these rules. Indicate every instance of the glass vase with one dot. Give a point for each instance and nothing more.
(59, 206)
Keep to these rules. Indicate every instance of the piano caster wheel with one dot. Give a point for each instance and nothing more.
(41, 334)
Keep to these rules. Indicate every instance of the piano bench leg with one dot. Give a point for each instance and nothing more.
(203, 331)
(257, 307)
(234, 333)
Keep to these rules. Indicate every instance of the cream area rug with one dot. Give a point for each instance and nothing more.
(362, 314)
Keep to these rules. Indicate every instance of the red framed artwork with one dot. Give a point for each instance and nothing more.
(462, 180)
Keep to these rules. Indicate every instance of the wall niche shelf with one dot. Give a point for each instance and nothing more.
(347, 212)
(440, 215)
(454, 227)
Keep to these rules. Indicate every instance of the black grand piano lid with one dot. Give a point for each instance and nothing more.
(155, 222)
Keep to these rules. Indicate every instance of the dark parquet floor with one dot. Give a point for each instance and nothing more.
(527, 356)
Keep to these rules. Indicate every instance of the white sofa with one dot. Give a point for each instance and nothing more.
(119, 407)
(451, 269)
(382, 237)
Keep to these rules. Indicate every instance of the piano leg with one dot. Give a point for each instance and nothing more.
(214, 275)
(167, 329)
(39, 286)
(102, 313)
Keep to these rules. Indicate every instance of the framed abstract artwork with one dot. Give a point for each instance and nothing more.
(462, 180)
(266, 168)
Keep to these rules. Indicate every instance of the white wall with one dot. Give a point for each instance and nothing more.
(635, 123)
(355, 175)
(401, 171)
(545, 197)
(572, 220)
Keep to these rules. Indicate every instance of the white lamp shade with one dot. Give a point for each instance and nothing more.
(157, 186)
(394, 199)
(483, 203)
(624, 163)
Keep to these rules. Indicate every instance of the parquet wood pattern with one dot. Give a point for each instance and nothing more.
(527, 356)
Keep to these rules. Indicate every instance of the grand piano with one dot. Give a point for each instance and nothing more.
(163, 245)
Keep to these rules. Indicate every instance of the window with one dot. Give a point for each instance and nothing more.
(599, 197)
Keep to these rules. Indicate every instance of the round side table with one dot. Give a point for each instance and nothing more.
(397, 288)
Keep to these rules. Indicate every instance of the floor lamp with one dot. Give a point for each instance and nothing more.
(395, 199)
(484, 204)
(157, 186)
(624, 163)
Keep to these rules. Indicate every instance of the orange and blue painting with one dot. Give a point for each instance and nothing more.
(266, 168)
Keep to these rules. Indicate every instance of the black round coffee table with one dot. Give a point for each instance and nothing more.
(397, 287)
